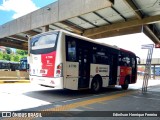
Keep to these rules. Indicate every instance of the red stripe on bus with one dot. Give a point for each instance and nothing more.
(124, 71)
(48, 63)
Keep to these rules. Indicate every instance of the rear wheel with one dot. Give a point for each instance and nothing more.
(96, 85)
(126, 84)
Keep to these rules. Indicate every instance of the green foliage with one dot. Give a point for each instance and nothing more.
(1, 55)
(8, 50)
(6, 57)
(10, 56)
(21, 52)
(15, 58)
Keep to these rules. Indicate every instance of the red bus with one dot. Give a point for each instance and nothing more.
(68, 61)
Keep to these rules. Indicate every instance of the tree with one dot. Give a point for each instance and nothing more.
(6, 57)
(16, 58)
(1, 55)
(21, 52)
(8, 50)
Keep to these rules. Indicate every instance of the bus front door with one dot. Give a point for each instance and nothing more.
(84, 67)
(113, 70)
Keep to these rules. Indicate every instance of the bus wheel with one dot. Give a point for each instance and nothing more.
(96, 85)
(125, 86)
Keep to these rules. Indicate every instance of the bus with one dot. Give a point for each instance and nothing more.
(24, 66)
(4, 65)
(8, 65)
(68, 61)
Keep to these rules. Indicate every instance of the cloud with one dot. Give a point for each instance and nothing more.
(20, 7)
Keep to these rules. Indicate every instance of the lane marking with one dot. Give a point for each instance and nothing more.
(102, 103)
(88, 102)
(68, 107)
(87, 107)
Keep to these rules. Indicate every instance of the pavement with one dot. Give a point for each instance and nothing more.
(113, 103)
(120, 104)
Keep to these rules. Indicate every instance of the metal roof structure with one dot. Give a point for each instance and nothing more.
(97, 19)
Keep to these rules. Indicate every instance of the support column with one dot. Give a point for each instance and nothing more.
(45, 28)
(154, 71)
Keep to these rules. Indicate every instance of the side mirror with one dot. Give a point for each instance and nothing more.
(139, 61)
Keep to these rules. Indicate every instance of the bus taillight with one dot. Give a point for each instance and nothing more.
(59, 70)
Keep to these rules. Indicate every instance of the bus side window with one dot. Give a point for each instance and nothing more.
(71, 51)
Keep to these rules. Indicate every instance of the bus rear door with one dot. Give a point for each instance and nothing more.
(84, 67)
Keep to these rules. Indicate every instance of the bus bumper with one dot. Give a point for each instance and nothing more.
(46, 81)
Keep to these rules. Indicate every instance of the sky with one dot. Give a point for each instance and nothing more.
(12, 9)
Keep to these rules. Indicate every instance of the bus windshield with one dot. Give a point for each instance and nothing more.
(44, 41)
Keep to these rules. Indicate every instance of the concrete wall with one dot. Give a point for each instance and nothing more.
(59, 11)
(17, 75)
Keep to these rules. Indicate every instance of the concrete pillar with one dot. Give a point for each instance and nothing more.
(154, 71)
(45, 28)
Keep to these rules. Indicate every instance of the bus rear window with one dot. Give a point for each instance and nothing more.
(45, 41)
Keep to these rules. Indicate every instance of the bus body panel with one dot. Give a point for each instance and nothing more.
(102, 70)
(72, 75)
(43, 65)
(72, 69)
(71, 83)
(124, 71)
(47, 81)
(35, 65)
(48, 64)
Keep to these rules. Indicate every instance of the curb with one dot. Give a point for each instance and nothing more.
(14, 81)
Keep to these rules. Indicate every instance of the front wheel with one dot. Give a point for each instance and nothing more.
(96, 85)
(125, 86)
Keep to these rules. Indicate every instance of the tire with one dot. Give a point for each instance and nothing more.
(96, 85)
(126, 84)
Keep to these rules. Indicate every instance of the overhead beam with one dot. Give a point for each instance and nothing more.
(25, 45)
(113, 33)
(151, 35)
(87, 21)
(112, 1)
(73, 27)
(19, 37)
(121, 25)
(31, 32)
(102, 17)
(13, 45)
(147, 30)
(134, 8)
(118, 13)
(59, 27)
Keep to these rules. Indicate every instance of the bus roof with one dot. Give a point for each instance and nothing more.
(85, 38)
